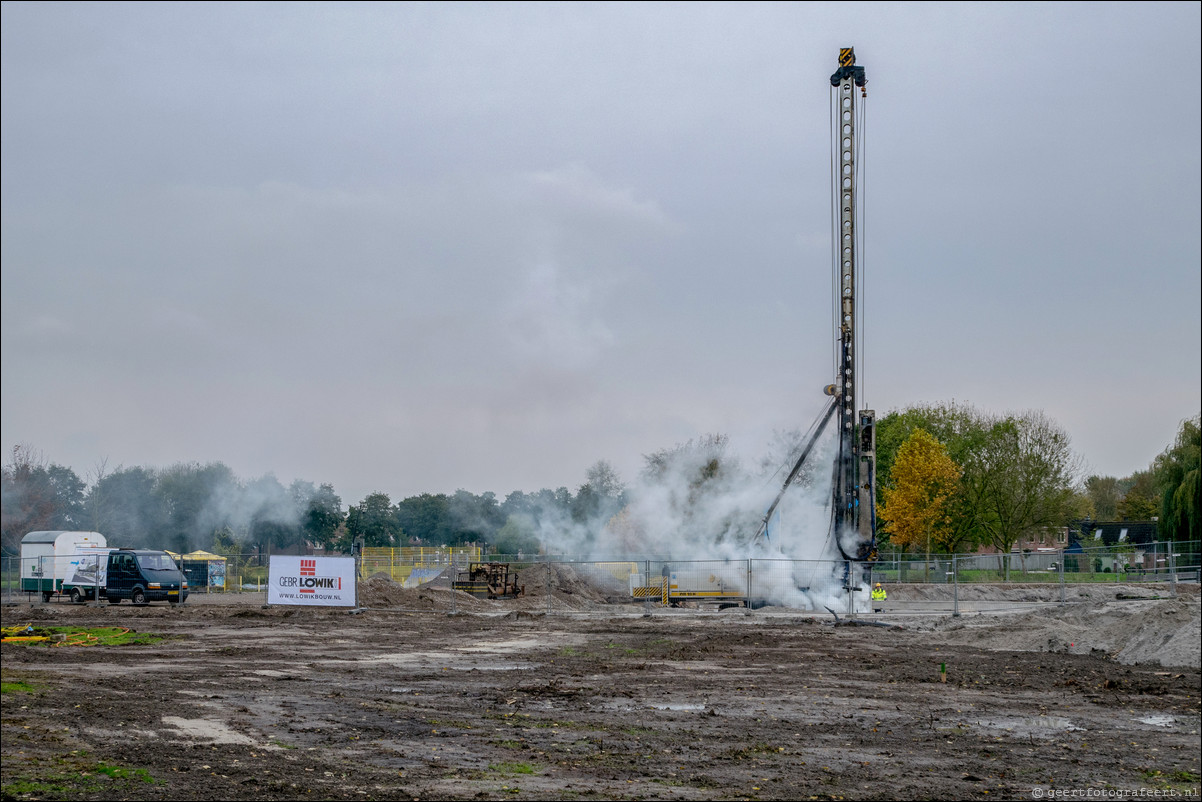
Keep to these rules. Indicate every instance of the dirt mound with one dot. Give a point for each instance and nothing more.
(1165, 632)
(33, 612)
(380, 592)
(570, 587)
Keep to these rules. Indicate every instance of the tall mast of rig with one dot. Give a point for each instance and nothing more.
(853, 500)
(854, 480)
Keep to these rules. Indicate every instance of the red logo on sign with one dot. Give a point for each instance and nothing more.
(308, 568)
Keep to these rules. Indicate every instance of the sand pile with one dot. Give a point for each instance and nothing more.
(378, 591)
(571, 588)
(1166, 632)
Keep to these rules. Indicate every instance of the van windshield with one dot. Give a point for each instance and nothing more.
(156, 562)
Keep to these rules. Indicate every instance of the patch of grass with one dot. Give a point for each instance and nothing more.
(92, 636)
(1178, 780)
(122, 773)
(114, 636)
(512, 767)
(511, 744)
(70, 776)
(19, 682)
(37, 789)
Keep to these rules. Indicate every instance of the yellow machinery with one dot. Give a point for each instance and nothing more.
(490, 581)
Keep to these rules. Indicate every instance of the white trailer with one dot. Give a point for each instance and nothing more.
(47, 558)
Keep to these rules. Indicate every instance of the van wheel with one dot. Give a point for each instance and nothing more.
(76, 596)
(138, 597)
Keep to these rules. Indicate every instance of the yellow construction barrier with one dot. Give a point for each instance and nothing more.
(657, 589)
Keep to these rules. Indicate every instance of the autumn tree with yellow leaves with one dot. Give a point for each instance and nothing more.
(923, 485)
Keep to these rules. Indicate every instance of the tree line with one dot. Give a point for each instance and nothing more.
(191, 506)
(953, 478)
(949, 478)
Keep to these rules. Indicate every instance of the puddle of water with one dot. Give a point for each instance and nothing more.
(677, 707)
(1053, 723)
(1158, 721)
(490, 668)
(1020, 725)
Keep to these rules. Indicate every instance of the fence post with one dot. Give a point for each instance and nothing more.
(1062, 600)
(1173, 569)
(851, 607)
(548, 588)
(748, 583)
(955, 588)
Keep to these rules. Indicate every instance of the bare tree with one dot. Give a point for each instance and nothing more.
(97, 501)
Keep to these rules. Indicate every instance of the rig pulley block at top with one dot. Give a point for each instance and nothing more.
(848, 69)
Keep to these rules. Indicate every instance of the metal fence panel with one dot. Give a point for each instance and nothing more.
(565, 585)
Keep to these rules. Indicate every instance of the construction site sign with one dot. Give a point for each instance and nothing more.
(317, 581)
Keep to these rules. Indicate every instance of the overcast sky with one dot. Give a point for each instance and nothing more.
(420, 247)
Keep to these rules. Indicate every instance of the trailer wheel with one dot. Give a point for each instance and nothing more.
(76, 596)
(138, 597)
(113, 600)
(46, 594)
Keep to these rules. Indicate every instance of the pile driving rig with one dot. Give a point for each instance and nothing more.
(854, 506)
(853, 496)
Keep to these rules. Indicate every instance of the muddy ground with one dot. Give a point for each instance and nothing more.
(502, 701)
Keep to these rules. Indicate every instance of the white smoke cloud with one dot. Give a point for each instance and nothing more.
(696, 509)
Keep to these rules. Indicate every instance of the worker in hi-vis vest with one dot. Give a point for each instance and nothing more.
(878, 598)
